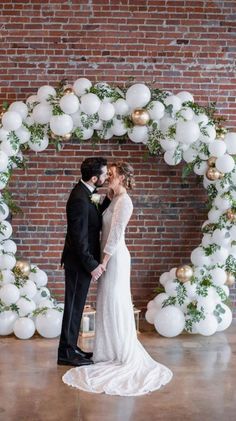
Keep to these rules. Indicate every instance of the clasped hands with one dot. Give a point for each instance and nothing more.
(98, 271)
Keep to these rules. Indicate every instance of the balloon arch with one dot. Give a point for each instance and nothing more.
(195, 295)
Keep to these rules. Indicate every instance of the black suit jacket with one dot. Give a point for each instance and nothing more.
(84, 222)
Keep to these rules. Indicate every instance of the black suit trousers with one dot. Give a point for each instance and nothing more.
(76, 290)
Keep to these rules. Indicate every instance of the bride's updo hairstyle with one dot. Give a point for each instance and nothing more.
(124, 168)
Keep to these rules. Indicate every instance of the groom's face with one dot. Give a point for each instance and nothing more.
(102, 178)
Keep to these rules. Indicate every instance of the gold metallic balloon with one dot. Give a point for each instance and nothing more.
(230, 279)
(213, 173)
(184, 273)
(68, 90)
(23, 266)
(67, 136)
(211, 161)
(231, 216)
(140, 117)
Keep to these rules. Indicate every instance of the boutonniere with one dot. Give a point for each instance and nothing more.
(95, 199)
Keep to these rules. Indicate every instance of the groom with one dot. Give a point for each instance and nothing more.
(81, 256)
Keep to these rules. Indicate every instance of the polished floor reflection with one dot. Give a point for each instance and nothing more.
(203, 387)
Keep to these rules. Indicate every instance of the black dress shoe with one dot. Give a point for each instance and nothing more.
(75, 360)
(83, 354)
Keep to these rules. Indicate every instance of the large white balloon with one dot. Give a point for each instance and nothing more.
(199, 258)
(208, 135)
(26, 306)
(44, 92)
(7, 320)
(169, 321)
(24, 328)
(90, 103)
(11, 120)
(106, 111)
(219, 276)
(39, 145)
(9, 294)
(225, 163)
(138, 95)
(23, 134)
(20, 107)
(42, 113)
(138, 134)
(69, 103)
(187, 131)
(29, 289)
(61, 124)
(156, 110)
(171, 158)
(208, 326)
(217, 148)
(49, 325)
(39, 277)
(185, 96)
(121, 107)
(174, 101)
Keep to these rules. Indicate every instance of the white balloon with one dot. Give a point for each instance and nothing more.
(10, 246)
(42, 113)
(138, 95)
(49, 325)
(26, 306)
(168, 144)
(39, 277)
(7, 261)
(150, 315)
(225, 163)
(159, 299)
(199, 258)
(9, 148)
(226, 318)
(39, 145)
(69, 103)
(220, 256)
(185, 96)
(118, 127)
(81, 86)
(61, 124)
(6, 230)
(172, 274)
(45, 303)
(201, 168)
(87, 133)
(9, 294)
(11, 120)
(20, 107)
(189, 155)
(221, 237)
(90, 103)
(201, 119)
(31, 99)
(7, 320)
(165, 123)
(29, 289)
(173, 100)
(23, 134)
(24, 328)
(186, 113)
(191, 290)
(44, 92)
(169, 321)
(230, 141)
(164, 278)
(3, 161)
(156, 110)
(138, 134)
(121, 107)
(4, 211)
(106, 111)
(207, 303)
(171, 159)
(4, 134)
(206, 240)
(187, 131)
(7, 276)
(217, 148)
(222, 203)
(209, 134)
(214, 215)
(170, 288)
(208, 326)
(219, 276)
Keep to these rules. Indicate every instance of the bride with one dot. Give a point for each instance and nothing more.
(122, 366)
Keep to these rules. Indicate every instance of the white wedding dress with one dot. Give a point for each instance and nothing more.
(122, 366)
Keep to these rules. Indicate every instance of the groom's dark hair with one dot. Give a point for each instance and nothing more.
(91, 167)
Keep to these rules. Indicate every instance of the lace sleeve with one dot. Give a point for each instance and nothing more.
(122, 212)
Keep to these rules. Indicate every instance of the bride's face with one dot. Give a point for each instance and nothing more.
(114, 179)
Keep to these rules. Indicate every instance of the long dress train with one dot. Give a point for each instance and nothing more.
(122, 366)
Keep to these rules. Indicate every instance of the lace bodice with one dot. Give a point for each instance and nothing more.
(115, 220)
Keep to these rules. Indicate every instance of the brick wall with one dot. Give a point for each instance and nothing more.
(173, 45)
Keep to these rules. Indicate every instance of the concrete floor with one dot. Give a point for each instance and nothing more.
(203, 387)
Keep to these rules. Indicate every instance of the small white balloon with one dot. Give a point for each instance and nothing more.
(218, 276)
(208, 326)
(25, 306)
(10, 246)
(39, 277)
(29, 289)
(6, 230)
(24, 328)
(187, 131)
(45, 303)
(230, 141)
(138, 134)
(39, 145)
(118, 127)
(121, 107)
(7, 276)
(156, 110)
(168, 144)
(199, 258)
(217, 148)
(208, 135)
(185, 96)
(23, 134)
(10, 148)
(225, 318)
(81, 86)
(159, 300)
(174, 101)
(3, 161)
(171, 158)
(106, 111)
(44, 92)
(4, 211)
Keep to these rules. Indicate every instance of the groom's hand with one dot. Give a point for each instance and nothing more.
(97, 272)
